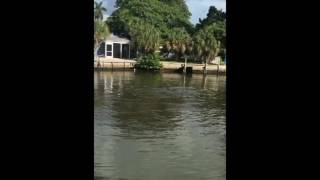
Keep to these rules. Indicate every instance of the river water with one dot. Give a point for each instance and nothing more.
(152, 126)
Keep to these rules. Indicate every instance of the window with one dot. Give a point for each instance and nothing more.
(101, 50)
(109, 47)
(109, 50)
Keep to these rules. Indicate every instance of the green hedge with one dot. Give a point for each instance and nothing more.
(149, 62)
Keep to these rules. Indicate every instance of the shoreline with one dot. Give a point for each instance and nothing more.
(168, 66)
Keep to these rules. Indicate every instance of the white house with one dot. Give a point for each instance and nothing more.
(115, 47)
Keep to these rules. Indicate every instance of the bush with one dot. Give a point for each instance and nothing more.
(149, 62)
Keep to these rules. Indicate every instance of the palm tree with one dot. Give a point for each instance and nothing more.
(101, 32)
(99, 10)
(179, 41)
(145, 37)
(207, 46)
(189, 47)
(214, 50)
(199, 44)
(167, 47)
(151, 39)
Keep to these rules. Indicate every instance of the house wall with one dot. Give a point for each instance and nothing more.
(111, 43)
(216, 61)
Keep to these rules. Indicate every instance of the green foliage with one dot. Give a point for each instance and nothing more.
(220, 33)
(101, 30)
(149, 62)
(161, 14)
(206, 46)
(99, 10)
(214, 16)
(179, 4)
(178, 41)
(218, 19)
(144, 37)
(151, 23)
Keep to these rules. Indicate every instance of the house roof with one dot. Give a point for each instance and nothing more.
(114, 38)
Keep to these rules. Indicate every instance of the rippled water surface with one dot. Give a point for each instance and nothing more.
(159, 126)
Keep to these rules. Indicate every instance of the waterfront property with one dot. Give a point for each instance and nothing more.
(115, 47)
(122, 64)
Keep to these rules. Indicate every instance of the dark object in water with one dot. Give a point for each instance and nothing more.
(189, 70)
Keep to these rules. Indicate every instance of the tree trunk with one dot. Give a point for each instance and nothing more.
(218, 62)
(97, 45)
(185, 65)
(205, 67)
(218, 66)
(96, 54)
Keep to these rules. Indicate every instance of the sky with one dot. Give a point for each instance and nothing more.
(198, 8)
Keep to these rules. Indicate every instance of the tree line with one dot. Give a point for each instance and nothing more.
(151, 24)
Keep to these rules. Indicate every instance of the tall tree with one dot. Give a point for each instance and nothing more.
(217, 18)
(179, 4)
(101, 30)
(145, 37)
(207, 46)
(158, 13)
(180, 43)
(213, 16)
(177, 41)
(99, 10)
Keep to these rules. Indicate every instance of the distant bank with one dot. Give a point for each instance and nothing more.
(168, 66)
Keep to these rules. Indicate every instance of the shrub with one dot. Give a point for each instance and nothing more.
(149, 62)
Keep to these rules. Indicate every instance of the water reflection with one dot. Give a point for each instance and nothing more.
(159, 126)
